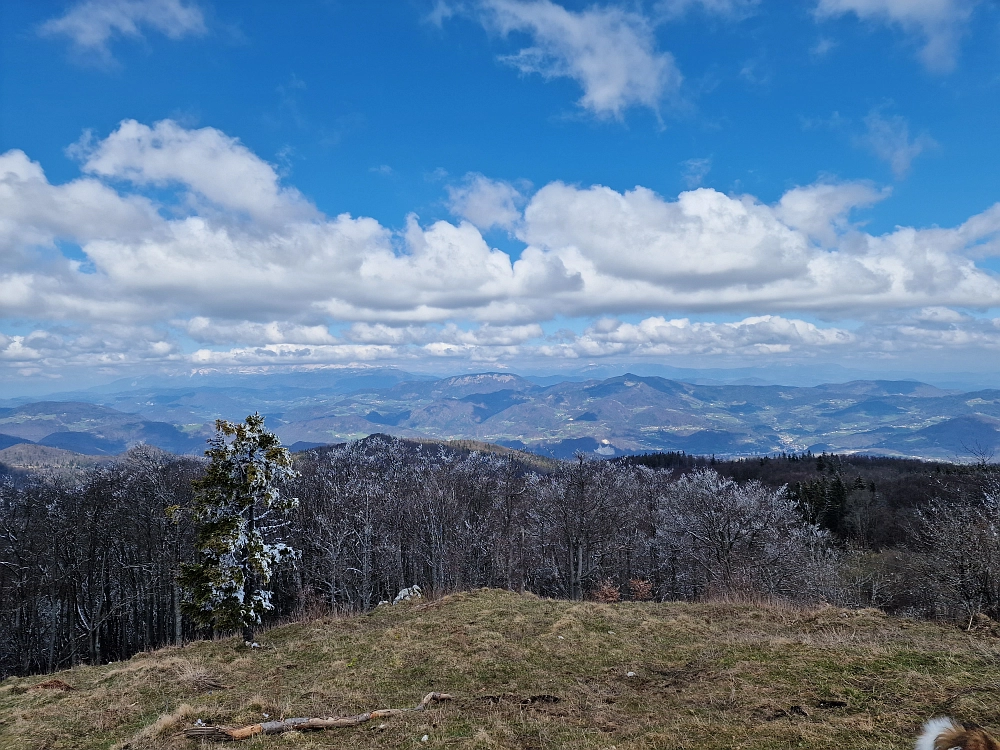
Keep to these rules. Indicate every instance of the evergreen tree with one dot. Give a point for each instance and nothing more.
(836, 506)
(238, 513)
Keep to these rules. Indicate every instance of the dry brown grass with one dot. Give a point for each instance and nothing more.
(709, 675)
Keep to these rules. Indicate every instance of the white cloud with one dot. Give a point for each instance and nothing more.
(703, 240)
(253, 252)
(821, 210)
(108, 345)
(210, 163)
(440, 13)
(822, 47)
(931, 330)
(486, 203)
(285, 355)
(256, 273)
(734, 9)
(908, 337)
(33, 212)
(705, 251)
(938, 23)
(15, 349)
(483, 335)
(694, 171)
(260, 252)
(609, 51)
(92, 24)
(916, 334)
(657, 336)
(207, 331)
(889, 139)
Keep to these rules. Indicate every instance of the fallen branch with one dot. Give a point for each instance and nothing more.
(227, 734)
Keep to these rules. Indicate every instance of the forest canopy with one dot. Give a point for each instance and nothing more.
(89, 563)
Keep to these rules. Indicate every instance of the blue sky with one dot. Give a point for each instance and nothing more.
(486, 184)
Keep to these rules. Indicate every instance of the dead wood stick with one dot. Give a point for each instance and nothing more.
(227, 734)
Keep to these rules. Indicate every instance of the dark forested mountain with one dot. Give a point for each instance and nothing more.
(611, 417)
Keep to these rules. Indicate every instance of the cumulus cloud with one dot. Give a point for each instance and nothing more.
(938, 23)
(703, 240)
(609, 51)
(257, 273)
(91, 24)
(889, 139)
(109, 345)
(345, 268)
(821, 210)
(657, 336)
(932, 329)
(483, 335)
(709, 251)
(207, 331)
(486, 203)
(205, 160)
(290, 355)
(915, 333)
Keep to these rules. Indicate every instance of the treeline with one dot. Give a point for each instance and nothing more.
(873, 502)
(378, 515)
(88, 567)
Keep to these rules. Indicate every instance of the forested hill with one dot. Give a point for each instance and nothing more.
(90, 558)
(610, 417)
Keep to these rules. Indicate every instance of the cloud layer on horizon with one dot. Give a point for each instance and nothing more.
(182, 246)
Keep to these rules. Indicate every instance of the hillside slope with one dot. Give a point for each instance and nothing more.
(89, 429)
(703, 676)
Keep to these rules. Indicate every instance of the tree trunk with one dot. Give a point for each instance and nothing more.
(249, 584)
(178, 620)
(54, 614)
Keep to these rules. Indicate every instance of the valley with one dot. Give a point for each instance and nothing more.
(608, 417)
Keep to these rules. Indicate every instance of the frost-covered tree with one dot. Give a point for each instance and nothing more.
(239, 513)
(720, 536)
(957, 571)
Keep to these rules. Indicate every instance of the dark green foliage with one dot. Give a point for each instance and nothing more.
(667, 460)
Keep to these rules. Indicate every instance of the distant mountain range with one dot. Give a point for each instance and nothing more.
(602, 417)
(90, 429)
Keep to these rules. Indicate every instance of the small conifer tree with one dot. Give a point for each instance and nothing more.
(238, 512)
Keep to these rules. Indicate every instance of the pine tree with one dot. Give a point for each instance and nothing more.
(238, 512)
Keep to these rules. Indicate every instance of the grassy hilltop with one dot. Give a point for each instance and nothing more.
(711, 675)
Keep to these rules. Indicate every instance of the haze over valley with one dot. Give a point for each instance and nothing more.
(603, 417)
